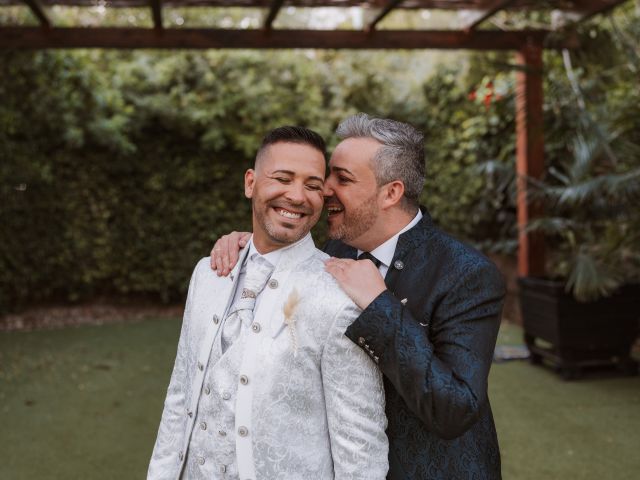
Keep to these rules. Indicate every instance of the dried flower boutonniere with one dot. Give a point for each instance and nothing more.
(289, 317)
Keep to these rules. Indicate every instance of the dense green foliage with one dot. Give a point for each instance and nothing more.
(119, 169)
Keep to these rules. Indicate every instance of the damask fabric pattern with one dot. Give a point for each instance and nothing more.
(317, 410)
(258, 271)
(434, 331)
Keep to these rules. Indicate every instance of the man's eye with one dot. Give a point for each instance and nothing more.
(342, 179)
(283, 179)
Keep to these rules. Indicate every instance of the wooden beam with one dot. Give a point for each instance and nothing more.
(494, 7)
(529, 156)
(130, 38)
(273, 13)
(385, 11)
(599, 8)
(37, 10)
(156, 11)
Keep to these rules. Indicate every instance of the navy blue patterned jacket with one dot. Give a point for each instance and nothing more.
(435, 351)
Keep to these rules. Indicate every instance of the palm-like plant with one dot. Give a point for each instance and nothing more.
(593, 219)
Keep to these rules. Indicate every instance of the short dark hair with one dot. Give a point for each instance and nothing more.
(293, 134)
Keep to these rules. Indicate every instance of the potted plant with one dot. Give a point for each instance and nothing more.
(587, 311)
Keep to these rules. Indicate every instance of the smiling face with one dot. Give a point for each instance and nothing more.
(352, 193)
(286, 194)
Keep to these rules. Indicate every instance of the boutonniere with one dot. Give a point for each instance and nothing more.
(289, 310)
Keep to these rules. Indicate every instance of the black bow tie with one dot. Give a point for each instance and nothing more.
(367, 255)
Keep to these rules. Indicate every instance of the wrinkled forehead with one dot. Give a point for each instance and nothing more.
(299, 158)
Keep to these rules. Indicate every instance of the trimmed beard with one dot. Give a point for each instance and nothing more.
(361, 219)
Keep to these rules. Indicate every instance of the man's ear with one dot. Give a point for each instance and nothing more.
(392, 193)
(249, 182)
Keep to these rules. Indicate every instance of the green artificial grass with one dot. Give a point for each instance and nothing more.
(85, 403)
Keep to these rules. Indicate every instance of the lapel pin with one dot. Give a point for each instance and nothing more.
(398, 264)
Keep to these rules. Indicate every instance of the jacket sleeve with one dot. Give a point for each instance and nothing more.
(440, 370)
(166, 459)
(354, 397)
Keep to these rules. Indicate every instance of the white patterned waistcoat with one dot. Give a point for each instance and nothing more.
(309, 404)
(211, 453)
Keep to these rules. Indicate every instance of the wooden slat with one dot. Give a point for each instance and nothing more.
(128, 38)
(599, 7)
(529, 156)
(494, 7)
(273, 13)
(156, 11)
(38, 12)
(385, 11)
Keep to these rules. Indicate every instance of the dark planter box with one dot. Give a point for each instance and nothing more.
(578, 334)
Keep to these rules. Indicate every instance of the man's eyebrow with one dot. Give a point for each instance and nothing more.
(289, 172)
(341, 170)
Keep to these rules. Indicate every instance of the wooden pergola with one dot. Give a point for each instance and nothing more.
(475, 34)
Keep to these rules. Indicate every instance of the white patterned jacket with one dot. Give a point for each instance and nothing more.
(314, 412)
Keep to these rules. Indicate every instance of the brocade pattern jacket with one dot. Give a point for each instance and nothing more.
(311, 403)
(434, 331)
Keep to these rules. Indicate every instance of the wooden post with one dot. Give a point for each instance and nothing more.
(529, 155)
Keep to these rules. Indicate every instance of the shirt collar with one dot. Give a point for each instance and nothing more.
(385, 251)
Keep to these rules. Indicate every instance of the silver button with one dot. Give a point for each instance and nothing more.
(361, 341)
(203, 425)
(273, 283)
(398, 264)
(216, 319)
(201, 460)
(223, 468)
(181, 456)
(207, 390)
(376, 359)
(244, 379)
(242, 431)
(226, 396)
(222, 433)
(200, 366)
(255, 326)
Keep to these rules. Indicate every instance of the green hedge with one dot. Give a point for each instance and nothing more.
(119, 169)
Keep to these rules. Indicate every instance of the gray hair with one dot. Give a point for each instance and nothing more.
(401, 156)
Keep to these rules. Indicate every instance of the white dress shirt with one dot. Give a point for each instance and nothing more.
(385, 251)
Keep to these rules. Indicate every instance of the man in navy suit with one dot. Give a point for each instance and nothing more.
(431, 305)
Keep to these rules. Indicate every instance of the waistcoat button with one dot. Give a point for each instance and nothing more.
(273, 283)
(242, 431)
(255, 326)
(244, 379)
(216, 319)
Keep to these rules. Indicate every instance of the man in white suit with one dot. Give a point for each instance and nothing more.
(265, 383)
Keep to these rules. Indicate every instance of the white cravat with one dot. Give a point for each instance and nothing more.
(258, 271)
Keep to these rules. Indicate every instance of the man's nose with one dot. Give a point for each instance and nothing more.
(295, 193)
(327, 189)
